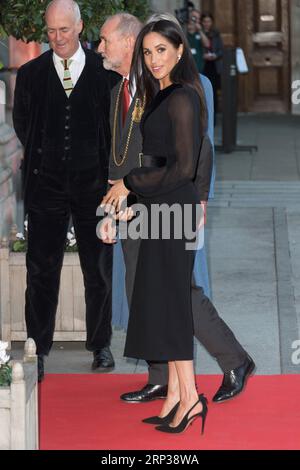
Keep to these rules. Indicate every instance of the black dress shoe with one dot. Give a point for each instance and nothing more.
(40, 365)
(103, 360)
(234, 381)
(148, 393)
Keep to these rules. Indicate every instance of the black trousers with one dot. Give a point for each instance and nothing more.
(209, 328)
(59, 195)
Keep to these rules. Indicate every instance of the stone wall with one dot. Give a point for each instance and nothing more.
(10, 156)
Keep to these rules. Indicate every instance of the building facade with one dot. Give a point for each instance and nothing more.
(267, 30)
(269, 33)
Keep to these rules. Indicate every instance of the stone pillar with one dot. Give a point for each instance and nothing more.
(2, 101)
(10, 155)
(295, 58)
(19, 404)
(4, 59)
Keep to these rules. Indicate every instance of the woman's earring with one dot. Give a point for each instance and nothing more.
(178, 58)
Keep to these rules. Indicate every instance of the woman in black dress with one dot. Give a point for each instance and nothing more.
(160, 323)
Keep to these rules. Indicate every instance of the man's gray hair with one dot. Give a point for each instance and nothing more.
(128, 24)
(73, 6)
(162, 16)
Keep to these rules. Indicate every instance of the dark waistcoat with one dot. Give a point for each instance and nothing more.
(70, 133)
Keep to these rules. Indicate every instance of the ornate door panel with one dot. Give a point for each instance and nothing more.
(261, 28)
(268, 28)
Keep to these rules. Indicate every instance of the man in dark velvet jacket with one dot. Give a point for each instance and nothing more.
(61, 116)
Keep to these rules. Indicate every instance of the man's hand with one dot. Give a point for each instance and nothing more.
(116, 195)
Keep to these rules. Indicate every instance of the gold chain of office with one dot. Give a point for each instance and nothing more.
(136, 116)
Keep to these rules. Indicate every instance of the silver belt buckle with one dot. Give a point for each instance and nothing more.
(140, 159)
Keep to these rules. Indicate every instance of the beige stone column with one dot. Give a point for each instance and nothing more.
(8, 147)
(10, 152)
(295, 56)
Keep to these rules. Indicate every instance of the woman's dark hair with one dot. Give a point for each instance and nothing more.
(207, 14)
(184, 72)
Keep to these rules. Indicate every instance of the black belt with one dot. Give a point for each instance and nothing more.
(151, 161)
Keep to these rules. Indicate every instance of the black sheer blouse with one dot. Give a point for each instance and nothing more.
(171, 128)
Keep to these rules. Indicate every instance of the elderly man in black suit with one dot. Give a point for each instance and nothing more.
(61, 116)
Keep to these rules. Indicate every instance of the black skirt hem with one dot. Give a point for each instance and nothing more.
(159, 359)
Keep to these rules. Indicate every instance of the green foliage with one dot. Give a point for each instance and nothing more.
(2, 32)
(141, 9)
(19, 246)
(20, 242)
(5, 375)
(24, 19)
(71, 249)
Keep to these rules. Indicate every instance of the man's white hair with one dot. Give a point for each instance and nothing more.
(69, 3)
(128, 24)
(163, 16)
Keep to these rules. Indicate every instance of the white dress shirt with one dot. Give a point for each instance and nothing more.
(76, 66)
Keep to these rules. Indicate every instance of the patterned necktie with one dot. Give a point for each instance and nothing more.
(68, 84)
(126, 99)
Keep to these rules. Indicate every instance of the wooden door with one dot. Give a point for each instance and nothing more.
(261, 28)
(268, 51)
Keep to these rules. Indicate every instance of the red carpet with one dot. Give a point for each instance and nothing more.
(84, 412)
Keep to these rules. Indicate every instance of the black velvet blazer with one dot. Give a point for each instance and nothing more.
(30, 108)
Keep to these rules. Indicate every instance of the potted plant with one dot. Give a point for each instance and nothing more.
(70, 318)
(5, 367)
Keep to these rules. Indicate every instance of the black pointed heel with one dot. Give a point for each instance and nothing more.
(203, 413)
(165, 420)
(186, 421)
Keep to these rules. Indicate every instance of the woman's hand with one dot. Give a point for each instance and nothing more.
(202, 221)
(116, 195)
(108, 231)
(126, 215)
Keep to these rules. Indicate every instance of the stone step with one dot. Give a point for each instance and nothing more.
(258, 184)
(256, 194)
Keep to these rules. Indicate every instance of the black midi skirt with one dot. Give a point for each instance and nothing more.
(160, 324)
